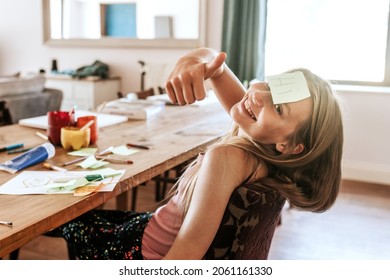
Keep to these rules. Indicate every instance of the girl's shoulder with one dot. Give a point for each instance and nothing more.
(235, 158)
(228, 152)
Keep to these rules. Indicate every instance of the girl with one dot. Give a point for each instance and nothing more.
(293, 147)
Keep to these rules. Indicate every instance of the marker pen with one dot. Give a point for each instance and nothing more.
(11, 147)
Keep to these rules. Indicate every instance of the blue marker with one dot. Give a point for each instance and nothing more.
(11, 147)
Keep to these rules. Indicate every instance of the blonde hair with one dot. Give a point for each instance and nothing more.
(309, 180)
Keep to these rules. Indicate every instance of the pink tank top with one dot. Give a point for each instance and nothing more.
(163, 227)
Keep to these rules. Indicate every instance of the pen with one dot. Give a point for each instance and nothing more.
(11, 147)
(116, 160)
(53, 167)
(74, 161)
(5, 223)
(18, 151)
(106, 151)
(43, 136)
(129, 145)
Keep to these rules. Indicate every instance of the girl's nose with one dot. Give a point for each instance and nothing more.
(261, 98)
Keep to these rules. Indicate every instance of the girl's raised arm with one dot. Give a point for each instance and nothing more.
(186, 83)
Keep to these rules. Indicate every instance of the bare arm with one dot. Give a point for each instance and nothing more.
(186, 83)
(218, 177)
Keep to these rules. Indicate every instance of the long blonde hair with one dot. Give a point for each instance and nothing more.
(309, 180)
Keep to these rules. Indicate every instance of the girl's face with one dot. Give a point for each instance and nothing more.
(266, 122)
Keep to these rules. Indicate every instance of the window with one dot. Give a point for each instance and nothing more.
(341, 40)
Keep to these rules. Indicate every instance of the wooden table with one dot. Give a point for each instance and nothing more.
(174, 136)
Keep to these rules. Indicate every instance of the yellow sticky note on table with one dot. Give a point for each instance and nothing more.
(86, 190)
(288, 87)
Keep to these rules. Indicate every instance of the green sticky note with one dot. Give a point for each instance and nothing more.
(67, 186)
(92, 163)
(98, 164)
(124, 151)
(109, 172)
(288, 87)
(83, 152)
(57, 187)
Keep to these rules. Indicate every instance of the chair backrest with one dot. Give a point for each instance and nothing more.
(145, 93)
(161, 90)
(248, 225)
(5, 117)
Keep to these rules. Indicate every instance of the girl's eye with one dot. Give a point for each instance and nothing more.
(278, 109)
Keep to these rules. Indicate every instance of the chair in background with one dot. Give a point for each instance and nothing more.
(161, 90)
(14, 255)
(248, 224)
(5, 117)
(143, 94)
(26, 97)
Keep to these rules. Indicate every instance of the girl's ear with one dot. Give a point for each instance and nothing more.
(282, 148)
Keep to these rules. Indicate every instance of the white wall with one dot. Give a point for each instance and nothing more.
(367, 123)
(367, 133)
(21, 47)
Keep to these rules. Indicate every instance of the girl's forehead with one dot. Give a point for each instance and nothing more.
(260, 85)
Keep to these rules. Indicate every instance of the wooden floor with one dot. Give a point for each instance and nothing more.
(357, 227)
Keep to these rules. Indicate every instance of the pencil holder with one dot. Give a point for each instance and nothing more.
(81, 121)
(74, 138)
(56, 121)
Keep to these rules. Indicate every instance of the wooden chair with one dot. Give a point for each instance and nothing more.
(248, 225)
(161, 90)
(143, 94)
(14, 255)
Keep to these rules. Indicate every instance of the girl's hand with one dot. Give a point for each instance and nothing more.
(186, 84)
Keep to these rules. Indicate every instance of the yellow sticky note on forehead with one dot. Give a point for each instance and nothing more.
(288, 87)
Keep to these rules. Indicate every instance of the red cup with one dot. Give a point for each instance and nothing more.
(81, 121)
(56, 121)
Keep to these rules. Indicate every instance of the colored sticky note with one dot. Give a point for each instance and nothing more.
(288, 87)
(124, 151)
(92, 163)
(83, 152)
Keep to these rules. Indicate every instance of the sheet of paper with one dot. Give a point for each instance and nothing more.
(288, 87)
(210, 99)
(41, 182)
(102, 119)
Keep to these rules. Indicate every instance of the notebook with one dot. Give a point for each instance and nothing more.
(134, 109)
(103, 120)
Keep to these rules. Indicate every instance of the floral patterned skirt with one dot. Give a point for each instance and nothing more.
(106, 234)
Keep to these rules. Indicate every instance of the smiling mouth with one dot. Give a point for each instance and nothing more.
(248, 109)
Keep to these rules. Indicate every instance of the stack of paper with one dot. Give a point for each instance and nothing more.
(210, 98)
(103, 120)
(134, 109)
